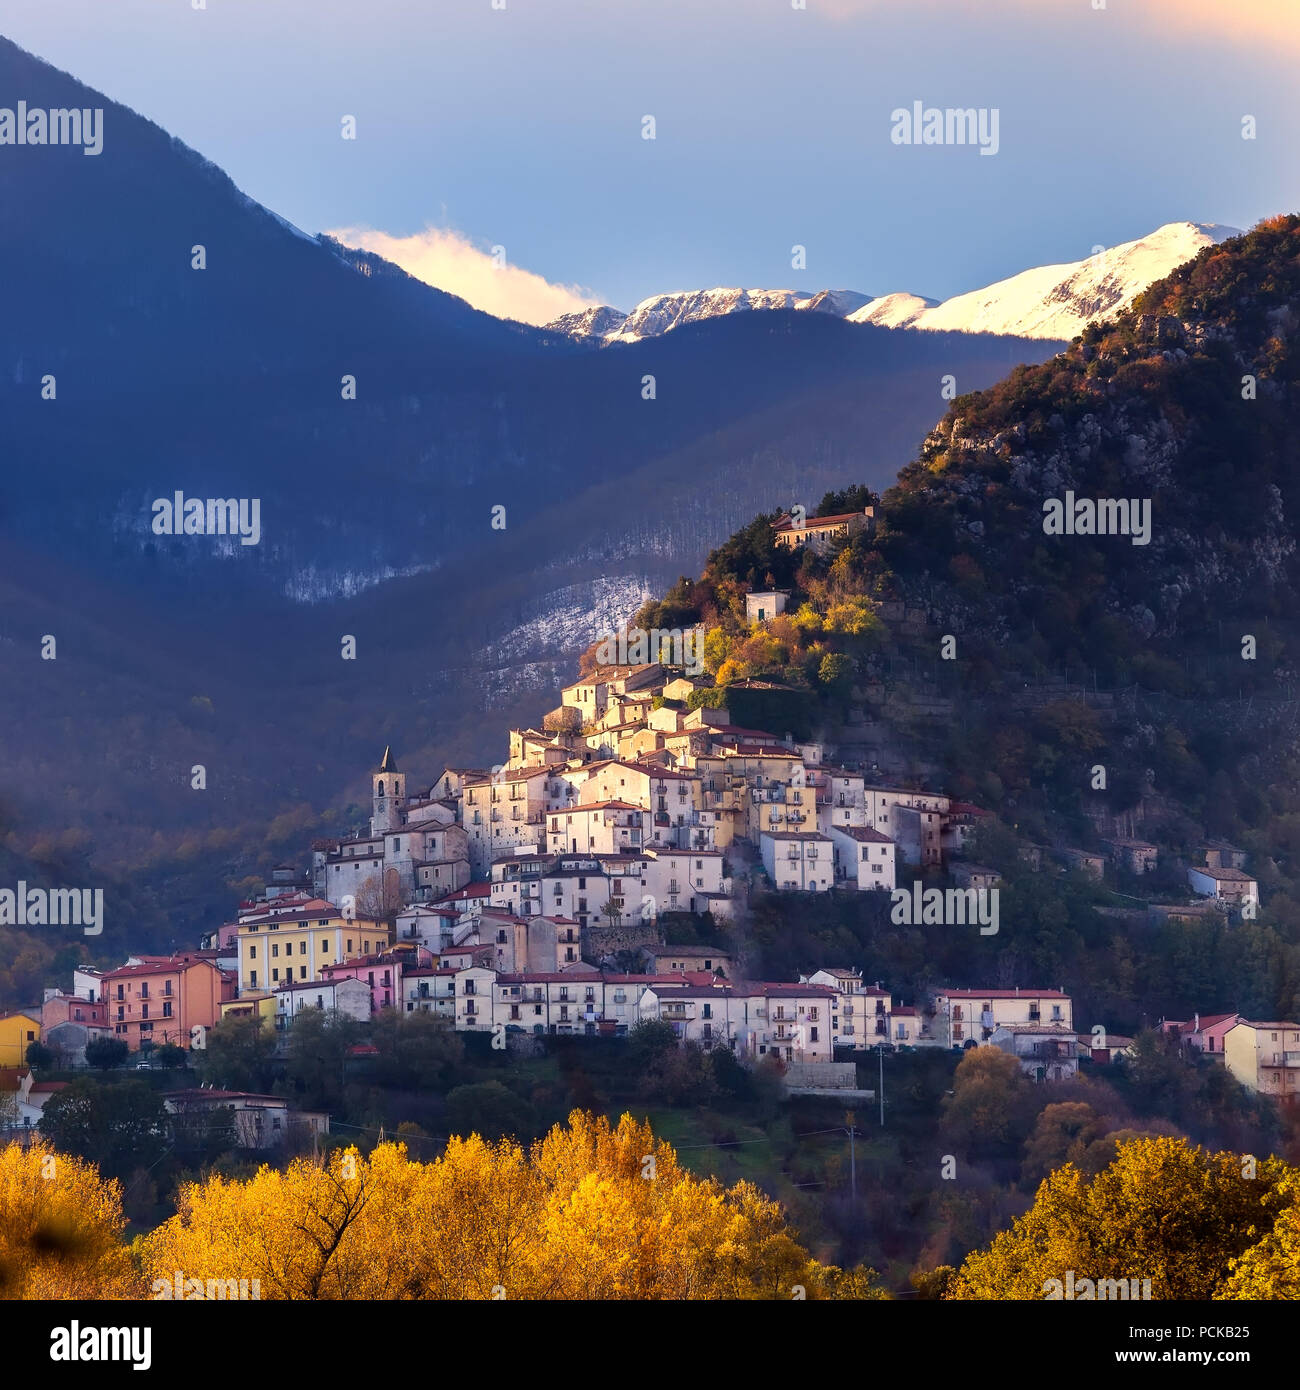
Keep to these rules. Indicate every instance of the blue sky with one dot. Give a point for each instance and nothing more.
(522, 127)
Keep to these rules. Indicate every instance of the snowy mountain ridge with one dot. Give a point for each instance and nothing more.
(1053, 302)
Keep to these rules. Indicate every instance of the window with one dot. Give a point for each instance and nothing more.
(275, 974)
(275, 949)
(302, 948)
(252, 978)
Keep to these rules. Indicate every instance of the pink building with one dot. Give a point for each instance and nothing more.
(72, 1008)
(382, 973)
(1204, 1032)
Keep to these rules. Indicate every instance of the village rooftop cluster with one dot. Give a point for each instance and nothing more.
(529, 898)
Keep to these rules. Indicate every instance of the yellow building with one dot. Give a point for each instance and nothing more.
(296, 944)
(257, 1002)
(17, 1030)
(1265, 1057)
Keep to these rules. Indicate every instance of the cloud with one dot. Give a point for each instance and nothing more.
(1254, 23)
(450, 261)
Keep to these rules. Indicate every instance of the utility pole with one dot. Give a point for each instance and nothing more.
(881, 1050)
(853, 1157)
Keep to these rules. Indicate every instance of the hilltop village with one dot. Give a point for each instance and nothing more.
(531, 898)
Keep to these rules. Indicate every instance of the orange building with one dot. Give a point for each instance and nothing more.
(162, 998)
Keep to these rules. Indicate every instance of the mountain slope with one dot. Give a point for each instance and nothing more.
(376, 512)
(1056, 301)
(1079, 685)
(1184, 408)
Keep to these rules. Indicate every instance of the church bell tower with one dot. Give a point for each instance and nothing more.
(388, 796)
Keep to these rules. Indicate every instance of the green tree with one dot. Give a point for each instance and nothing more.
(418, 1049)
(118, 1125)
(315, 1058)
(170, 1056)
(836, 671)
(239, 1056)
(491, 1110)
(647, 1041)
(106, 1053)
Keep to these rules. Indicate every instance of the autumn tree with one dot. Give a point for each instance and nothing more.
(61, 1228)
(991, 1107)
(592, 1211)
(1271, 1267)
(1163, 1210)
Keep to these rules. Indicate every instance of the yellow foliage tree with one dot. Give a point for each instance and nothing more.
(853, 617)
(593, 1211)
(1271, 1268)
(61, 1229)
(730, 671)
(1163, 1210)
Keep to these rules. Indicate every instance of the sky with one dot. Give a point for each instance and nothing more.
(499, 152)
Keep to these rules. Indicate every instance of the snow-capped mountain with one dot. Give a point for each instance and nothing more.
(1050, 302)
(663, 312)
(1055, 301)
(601, 321)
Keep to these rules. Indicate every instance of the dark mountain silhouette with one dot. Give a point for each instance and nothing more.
(226, 382)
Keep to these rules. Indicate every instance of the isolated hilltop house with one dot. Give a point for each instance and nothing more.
(765, 604)
(819, 532)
